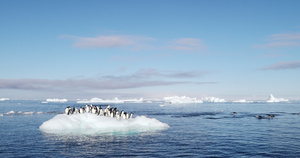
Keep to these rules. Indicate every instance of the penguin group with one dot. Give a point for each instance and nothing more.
(268, 116)
(98, 110)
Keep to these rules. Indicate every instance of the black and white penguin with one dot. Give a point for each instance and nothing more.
(101, 113)
(73, 110)
(259, 117)
(76, 111)
(124, 116)
(87, 108)
(68, 110)
(81, 110)
(112, 114)
(130, 115)
(117, 115)
(94, 110)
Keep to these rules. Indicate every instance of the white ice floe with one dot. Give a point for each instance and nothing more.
(181, 100)
(56, 100)
(88, 123)
(115, 100)
(28, 113)
(10, 112)
(3, 99)
(272, 99)
(213, 99)
(242, 101)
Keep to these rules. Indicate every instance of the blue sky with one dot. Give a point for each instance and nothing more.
(151, 49)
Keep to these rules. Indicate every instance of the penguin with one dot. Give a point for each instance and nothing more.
(112, 115)
(101, 113)
(81, 110)
(115, 111)
(67, 110)
(117, 115)
(87, 108)
(259, 117)
(76, 111)
(73, 110)
(270, 115)
(124, 116)
(130, 115)
(94, 110)
(98, 109)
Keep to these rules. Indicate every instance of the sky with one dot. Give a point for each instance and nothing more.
(77, 49)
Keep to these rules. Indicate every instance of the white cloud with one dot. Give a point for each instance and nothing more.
(134, 42)
(282, 40)
(282, 65)
(186, 44)
(142, 78)
(111, 41)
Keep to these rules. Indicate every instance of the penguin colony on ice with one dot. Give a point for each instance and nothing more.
(107, 112)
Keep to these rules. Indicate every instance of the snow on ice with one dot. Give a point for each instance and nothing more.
(88, 123)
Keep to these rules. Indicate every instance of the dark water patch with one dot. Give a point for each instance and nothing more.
(213, 118)
(54, 112)
(195, 114)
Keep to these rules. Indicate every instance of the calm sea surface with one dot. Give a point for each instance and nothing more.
(196, 130)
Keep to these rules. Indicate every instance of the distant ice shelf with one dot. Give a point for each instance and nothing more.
(181, 100)
(115, 100)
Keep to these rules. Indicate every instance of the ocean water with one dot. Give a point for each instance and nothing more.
(196, 130)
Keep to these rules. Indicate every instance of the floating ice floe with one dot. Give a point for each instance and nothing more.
(12, 113)
(3, 99)
(115, 100)
(56, 100)
(272, 99)
(213, 100)
(181, 100)
(88, 123)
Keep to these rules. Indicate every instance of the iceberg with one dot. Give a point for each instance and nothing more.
(213, 100)
(3, 99)
(181, 100)
(88, 123)
(115, 100)
(56, 100)
(272, 99)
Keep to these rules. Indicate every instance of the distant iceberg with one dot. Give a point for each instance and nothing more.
(181, 100)
(89, 123)
(115, 100)
(272, 99)
(213, 100)
(242, 101)
(56, 100)
(3, 99)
